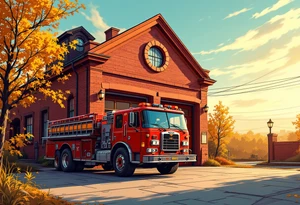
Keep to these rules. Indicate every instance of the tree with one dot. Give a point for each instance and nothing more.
(297, 126)
(31, 57)
(220, 125)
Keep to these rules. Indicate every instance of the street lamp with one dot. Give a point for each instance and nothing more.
(270, 125)
(100, 94)
(205, 108)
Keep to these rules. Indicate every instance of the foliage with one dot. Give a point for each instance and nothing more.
(31, 57)
(297, 126)
(220, 126)
(244, 146)
(211, 162)
(224, 161)
(13, 191)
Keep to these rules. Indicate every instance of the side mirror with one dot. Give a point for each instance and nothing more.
(131, 118)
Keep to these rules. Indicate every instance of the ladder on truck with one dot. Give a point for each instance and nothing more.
(79, 126)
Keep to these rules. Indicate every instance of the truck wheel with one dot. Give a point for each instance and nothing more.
(57, 161)
(79, 166)
(168, 168)
(67, 163)
(107, 167)
(121, 163)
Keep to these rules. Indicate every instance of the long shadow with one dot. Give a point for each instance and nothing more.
(147, 186)
(241, 192)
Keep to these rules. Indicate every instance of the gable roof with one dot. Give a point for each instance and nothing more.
(162, 23)
(75, 30)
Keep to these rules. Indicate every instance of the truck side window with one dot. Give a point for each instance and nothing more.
(119, 121)
(136, 120)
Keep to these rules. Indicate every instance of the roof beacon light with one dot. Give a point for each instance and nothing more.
(157, 105)
(144, 104)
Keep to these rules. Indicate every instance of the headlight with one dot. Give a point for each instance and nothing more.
(151, 150)
(185, 143)
(154, 142)
(186, 150)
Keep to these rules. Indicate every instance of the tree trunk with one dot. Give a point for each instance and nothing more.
(217, 148)
(3, 132)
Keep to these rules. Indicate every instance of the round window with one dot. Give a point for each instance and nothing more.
(155, 56)
(79, 45)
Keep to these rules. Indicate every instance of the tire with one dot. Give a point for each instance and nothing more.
(67, 163)
(107, 167)
(57, 161)
(79, 166)
(121, 163)
(169, 168)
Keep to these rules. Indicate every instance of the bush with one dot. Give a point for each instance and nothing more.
(212, 162)
(224, 161)
(294, 159)
(45, 162)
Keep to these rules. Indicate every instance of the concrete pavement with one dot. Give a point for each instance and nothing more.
(189, 185)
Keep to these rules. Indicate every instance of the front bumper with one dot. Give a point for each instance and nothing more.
(169, 158)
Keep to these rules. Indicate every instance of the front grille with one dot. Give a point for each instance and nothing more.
(170, 142)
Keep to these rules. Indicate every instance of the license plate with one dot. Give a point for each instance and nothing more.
(174, 158)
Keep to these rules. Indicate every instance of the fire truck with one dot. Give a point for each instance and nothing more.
(149, 136)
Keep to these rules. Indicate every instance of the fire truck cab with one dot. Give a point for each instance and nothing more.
(150, 135)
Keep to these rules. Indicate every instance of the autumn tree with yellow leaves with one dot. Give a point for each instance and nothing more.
(31, 57)
(297, 126)
(220, 126)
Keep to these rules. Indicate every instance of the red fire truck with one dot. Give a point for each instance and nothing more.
(150, 135)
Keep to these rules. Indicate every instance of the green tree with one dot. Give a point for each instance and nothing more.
(220, 126)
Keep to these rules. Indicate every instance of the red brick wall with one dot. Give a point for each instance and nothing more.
(54, 110)
(285, 150)
(129, 58)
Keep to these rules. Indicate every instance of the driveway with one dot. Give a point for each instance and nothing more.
(189, 185)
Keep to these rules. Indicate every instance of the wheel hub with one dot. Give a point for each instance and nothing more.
(120, 162)
(65, 160)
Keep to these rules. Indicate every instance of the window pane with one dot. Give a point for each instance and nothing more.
(109, 105)
(119, 121)
(122, 105)
(72, 104)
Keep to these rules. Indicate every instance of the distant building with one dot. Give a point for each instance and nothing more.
(146, 63)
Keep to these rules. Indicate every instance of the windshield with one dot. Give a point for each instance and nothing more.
(167, 120)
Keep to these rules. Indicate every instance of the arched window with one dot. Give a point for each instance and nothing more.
(79, 45)
(71, 110)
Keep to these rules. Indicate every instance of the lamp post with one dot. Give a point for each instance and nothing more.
(270, 125)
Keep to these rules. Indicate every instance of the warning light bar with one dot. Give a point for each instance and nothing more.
(173, 107)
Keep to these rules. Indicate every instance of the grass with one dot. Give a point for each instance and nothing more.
(212, 163)
(13, 191)
(224, 161)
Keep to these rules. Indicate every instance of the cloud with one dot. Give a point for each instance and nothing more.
(237, 13)
(208, 59)
(99, 23)
(275, 7)
(247, 103)
(274, 29)
(277, 61)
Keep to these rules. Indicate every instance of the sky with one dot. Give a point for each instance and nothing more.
(251, 47)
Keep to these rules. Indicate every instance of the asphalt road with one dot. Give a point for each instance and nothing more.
(189, 185)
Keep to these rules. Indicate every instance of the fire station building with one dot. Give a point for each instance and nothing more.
(146, 63)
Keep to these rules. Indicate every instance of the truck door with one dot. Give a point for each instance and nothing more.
(133, 133)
